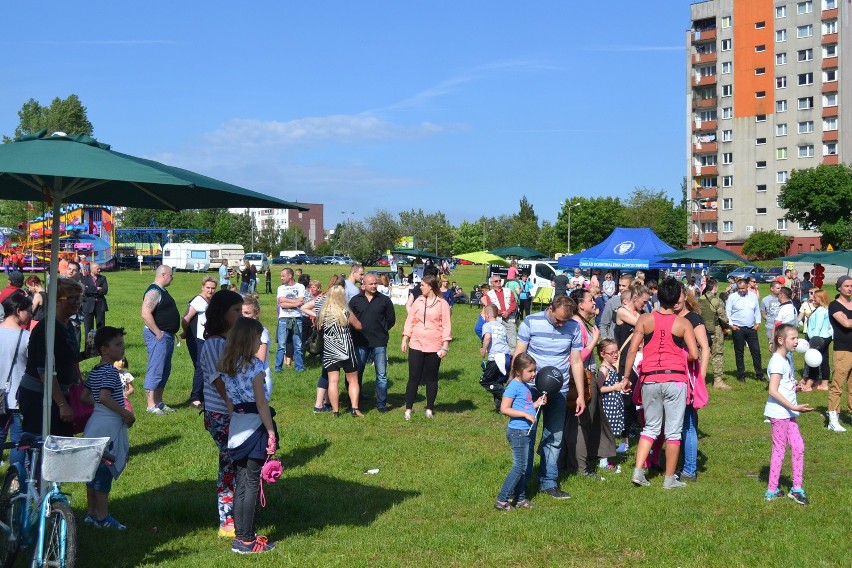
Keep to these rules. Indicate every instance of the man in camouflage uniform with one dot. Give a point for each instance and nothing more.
(715, 321)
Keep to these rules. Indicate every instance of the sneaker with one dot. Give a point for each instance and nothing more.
(320, 409)
(673, 483)
(557, 493)
(622, 448)
(165, 407)
(109, 522)
(90, 520)
(226, 529)
(772, 495)
(524, 504)
(429, 414)
(156, 410)
(798, 495)
(639, 479)
(256, 546)
(382, 409)
(834, 423)
(611, 468)
(503, 506)
(683, 476)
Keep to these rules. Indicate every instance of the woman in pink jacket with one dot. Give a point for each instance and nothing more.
(426, 338)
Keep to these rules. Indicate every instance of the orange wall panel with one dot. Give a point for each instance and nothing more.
(746, 60)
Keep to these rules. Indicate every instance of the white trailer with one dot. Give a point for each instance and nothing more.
(186, 256)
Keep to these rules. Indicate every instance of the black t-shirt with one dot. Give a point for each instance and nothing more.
(561, 285)
(842, 335)
(65, 348)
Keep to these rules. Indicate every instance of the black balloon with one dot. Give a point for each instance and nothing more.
(549, 380)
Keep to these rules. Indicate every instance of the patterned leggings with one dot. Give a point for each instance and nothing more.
(218, 424)
(786, 431)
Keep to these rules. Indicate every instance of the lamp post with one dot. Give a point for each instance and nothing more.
(569, 208)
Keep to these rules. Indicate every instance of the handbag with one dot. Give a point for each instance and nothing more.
(587, 390)
(270, 473)
(82, 411)
(315, 341)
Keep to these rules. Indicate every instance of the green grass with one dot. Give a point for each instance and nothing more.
(431, 502)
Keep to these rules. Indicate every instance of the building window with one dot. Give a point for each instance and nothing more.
(806, 78)
(781, 224)
(727, 181)
(760, 71)
(806, 30)
(829, 75)
(726, 45)
(780, 35)
(806, 103)
(806, 126)
(709, 114)
(708, 183)
(829, 123)
(829, 100)
(728, 158)
(727, 135)
(728, 90)
(760, 211)
(829, 149)
(759, 48)
(726, 21)
(727, 226)
(804, 7)
(728, 203)
(710, 227)
(781, 177)
(781, 106)
(760, 164)
(759, 25)
(780, 11)
(727, 112)
(760, 95)
(781, 58)
(727, 66)
(780, 82)
(781, 129)
(759, 141)
(707, 70)
(829, 4)
(829, 50)
(780, 153)
(760, 118)
(805, 55)
(806, 151)
(707, 160)
(761, 187)
(829, 27)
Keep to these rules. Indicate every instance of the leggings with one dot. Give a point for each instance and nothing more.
(422, 367)
(217, 424)
(786, 431)
(247, 472)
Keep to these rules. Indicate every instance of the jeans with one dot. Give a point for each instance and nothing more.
(159, 359)
(244, 287)
(283, 333)
(380, 358)
(742, 337)
(14, 429)
(553, 418)
(247, 472)
(522, 464)
(194, 345)
(690, 441)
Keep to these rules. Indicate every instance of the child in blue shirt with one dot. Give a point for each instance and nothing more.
(495, 344)
(518, 404)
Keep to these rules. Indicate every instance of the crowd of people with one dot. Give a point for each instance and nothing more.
(632, 356)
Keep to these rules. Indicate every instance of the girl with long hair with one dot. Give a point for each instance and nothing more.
(338, 349)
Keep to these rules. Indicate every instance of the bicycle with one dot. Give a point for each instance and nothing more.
(45, 522)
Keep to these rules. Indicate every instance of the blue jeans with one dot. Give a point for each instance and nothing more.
(296, 332)
(522, 464)
(380, 358)
(159, 359)
(14, 431)
(690, 441)
(553, 418)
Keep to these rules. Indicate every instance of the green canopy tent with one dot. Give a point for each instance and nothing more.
(836, 257)
(518, 251)
(704, 254)
(483, 257)
(61, 169)
(416, 252)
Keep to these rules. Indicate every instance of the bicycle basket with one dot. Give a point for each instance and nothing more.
(71, 459)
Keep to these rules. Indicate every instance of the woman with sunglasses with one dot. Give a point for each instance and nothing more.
(14, 337)
(66, 351)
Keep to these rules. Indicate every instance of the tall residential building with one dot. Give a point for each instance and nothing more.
(310, 221)
(767, 82)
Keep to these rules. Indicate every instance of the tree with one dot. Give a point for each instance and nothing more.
(764, 245)
(468, 238)
(428, 230)
(524, 225)
(651, 208)
(548, 241)
(592, 220)
(821, 198)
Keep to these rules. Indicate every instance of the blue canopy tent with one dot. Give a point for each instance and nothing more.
(624, 249)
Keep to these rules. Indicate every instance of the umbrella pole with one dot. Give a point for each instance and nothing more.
(50, 319)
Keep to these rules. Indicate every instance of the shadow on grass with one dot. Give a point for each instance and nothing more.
(159, 520)
(456, 407)
(783, 481)
(302, 456)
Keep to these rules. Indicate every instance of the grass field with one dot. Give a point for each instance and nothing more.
(431, 502)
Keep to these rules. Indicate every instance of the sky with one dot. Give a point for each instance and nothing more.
(458, 107)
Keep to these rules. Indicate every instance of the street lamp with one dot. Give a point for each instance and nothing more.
(569, 208)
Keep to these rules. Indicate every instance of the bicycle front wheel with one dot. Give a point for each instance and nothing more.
(10, 518)
(60, 537)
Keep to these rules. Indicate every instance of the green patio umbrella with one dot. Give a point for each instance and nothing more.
(836, 257)
(483, 257)
(704, 254)
(518, 251)
(61, 169)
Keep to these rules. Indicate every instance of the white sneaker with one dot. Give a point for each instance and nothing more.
(834, 424)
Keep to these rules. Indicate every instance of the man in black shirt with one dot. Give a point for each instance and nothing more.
(840, 313)
(162, 321)
(377, 316)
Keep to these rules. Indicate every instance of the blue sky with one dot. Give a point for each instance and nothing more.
(460, 107)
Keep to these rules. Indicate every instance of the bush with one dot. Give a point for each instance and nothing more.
(763, 245)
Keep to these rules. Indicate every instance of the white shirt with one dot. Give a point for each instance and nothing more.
(291, 292)
(778, 365)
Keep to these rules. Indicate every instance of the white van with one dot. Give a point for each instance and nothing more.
(257, 259)
(541, 272)
(291, 253)
(186, 256)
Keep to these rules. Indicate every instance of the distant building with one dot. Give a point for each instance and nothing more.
(310, 221)
(765, 82)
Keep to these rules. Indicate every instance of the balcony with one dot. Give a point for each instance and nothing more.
(831, 160)
(704, 103)
(829, 63)
(703, 35)
(704, 57)
(705, 215)
(704, 125)
(830, 136)
(703, 80)
(828, 39)
(707, 238)
(704, 171)
(829, 111)
(830, 87)
(706, 193)
(705, 148)
(830, 14)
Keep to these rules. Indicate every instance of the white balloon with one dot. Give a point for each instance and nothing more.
(802, 345)
(813, 358)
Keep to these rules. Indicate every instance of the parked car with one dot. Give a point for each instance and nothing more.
(720, 271)
(772, 273)
(257, 259)
(343, 260)
(747, 272)
(302, 259)
(281, 260)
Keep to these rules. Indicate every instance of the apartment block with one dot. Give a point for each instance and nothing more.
(310, 221)
(767, 82)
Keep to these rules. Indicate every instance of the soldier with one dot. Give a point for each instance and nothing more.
(715, 321)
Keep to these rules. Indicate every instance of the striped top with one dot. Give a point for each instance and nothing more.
(550, 345)
(208, 358)
(105, 376)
